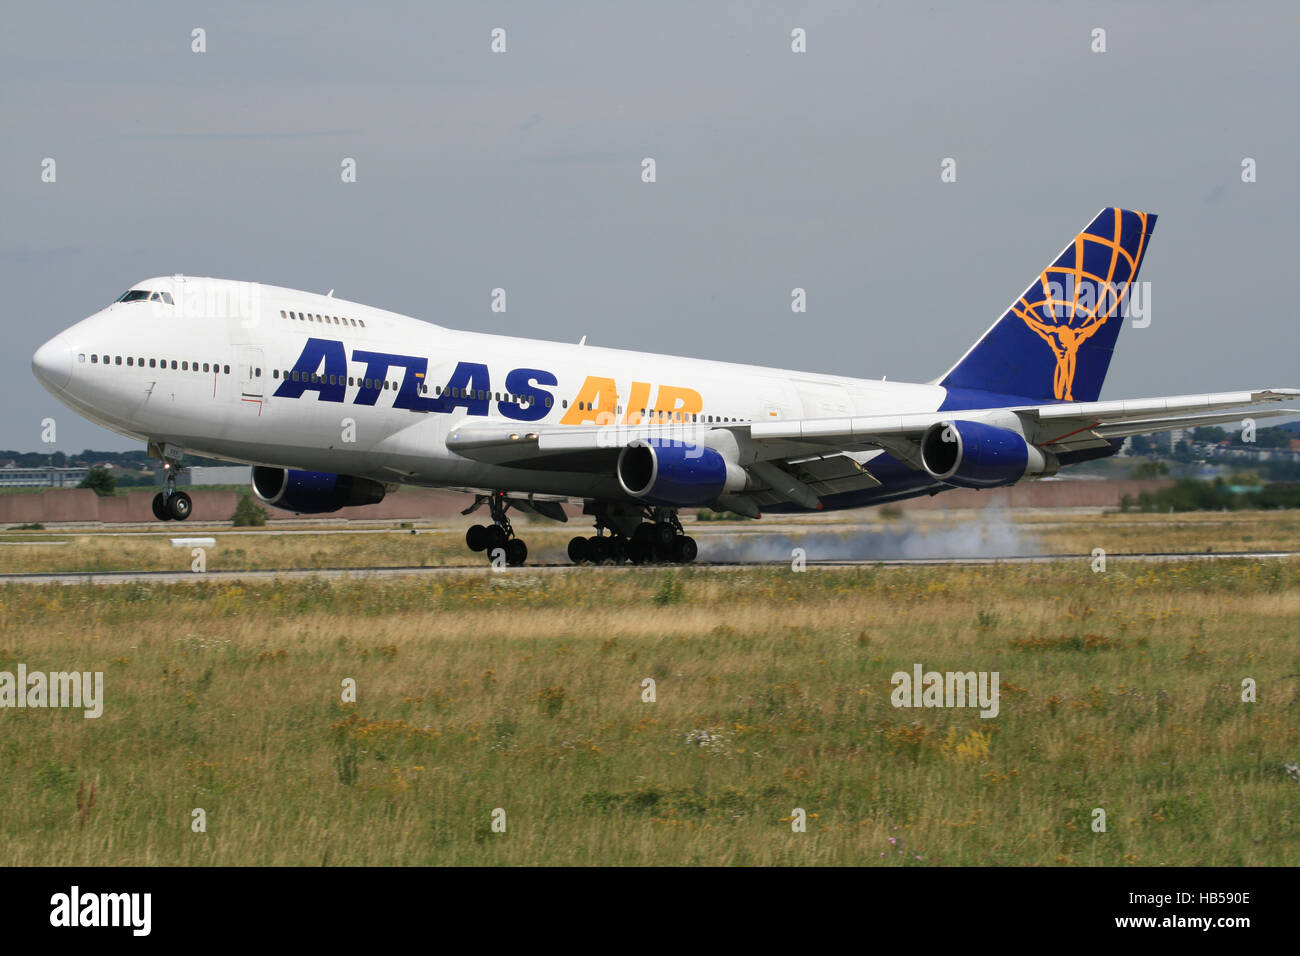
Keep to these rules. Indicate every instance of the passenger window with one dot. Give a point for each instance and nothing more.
(362, 322)
(257, 373)
(185, 366)
(81, 357)
(548, 403)
(94, 360)
(205, 366)
(129, 360)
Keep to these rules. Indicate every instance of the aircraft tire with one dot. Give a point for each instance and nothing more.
(578, 552)
(179, 506)
(476, 538)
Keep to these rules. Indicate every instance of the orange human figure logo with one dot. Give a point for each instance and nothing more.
(1064, 342)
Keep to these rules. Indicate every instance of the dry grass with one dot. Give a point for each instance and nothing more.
(522, 691)
(1191, 531)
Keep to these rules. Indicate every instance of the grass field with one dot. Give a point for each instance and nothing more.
(519, 691)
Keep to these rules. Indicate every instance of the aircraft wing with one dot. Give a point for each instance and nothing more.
(800, 459)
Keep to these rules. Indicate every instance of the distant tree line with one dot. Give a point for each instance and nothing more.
(1192, 494)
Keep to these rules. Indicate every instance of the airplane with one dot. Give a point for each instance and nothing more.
(336, 404)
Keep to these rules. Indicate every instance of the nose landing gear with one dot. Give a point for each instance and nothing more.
(170, 504)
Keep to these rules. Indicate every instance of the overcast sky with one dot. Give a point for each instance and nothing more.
(523, 170)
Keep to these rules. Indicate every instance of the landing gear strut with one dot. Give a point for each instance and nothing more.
(498, 536)
(170, 504)
(643, 536)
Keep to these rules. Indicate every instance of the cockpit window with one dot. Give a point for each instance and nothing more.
(142, 295)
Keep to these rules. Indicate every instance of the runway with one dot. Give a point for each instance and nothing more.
(362, 573)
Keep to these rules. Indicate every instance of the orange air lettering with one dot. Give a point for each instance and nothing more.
(639, 399)
(674, 400)
(595, 404)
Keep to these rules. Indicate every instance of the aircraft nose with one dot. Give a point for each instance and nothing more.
(52, 364)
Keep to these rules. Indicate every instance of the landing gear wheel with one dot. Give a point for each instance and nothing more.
(685, 550)
(496, 538)
(639, 552)
(179, 506)
(578, 550)
(516, 552)
(476, 538)
(160, 508)
(664, 534)
(597, 549)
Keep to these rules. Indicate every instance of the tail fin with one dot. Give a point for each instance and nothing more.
(1055, 341)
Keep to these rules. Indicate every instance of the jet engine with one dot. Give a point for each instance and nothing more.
(313, 492)
(975, 455)
(673, 473)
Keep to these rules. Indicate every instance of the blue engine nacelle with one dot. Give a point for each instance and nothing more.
(662, 471)
(974, 455)
(313, 492)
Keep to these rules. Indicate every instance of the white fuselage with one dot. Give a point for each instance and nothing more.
(232, 345)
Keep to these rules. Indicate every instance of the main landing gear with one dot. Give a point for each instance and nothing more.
(170, 504)
(498, 537)
(652, 536)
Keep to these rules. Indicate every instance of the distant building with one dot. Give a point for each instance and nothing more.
(48, 477)
(216, 475)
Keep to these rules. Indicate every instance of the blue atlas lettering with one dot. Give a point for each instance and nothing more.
(308, 375)
(532, 406)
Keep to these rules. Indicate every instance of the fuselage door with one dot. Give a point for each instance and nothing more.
(250, 372)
